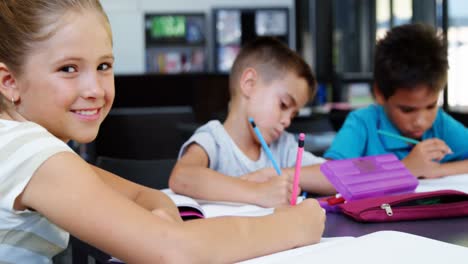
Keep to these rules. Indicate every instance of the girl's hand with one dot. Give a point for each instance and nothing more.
(167, 215)
(308, 220)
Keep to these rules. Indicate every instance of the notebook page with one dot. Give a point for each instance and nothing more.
(455, 182)
(285, 256)
(383, 247)
(215, 209)
(389, 247)
(184, 201)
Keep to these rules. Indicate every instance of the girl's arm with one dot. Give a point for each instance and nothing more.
(67, 191)
(148, 198)
(256, 236)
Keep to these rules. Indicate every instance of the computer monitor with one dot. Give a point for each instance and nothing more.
(167, 26)
(233, 27)
(175, 42)
(184, 28)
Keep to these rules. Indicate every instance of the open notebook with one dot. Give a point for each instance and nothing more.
(380, 247)
(453, 182)
(190, 208)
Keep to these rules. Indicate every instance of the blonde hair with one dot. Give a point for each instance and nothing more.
(26, 22)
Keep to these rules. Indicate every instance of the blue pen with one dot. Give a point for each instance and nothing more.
(265, 146)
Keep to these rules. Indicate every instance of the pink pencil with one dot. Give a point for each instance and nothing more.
(297, 171)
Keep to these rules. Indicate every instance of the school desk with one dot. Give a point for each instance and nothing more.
(451, 230)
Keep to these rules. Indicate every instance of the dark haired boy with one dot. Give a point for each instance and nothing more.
(410, 71)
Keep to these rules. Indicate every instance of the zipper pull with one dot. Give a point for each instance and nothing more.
(387, 208)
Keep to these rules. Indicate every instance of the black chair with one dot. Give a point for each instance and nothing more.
(150, 173)
(143, 133)
(338, 117)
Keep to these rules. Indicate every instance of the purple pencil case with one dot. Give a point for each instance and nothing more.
(366, 177)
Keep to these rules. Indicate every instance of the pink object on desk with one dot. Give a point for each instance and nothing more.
(365, 177)
(408, 206)
(297, 170)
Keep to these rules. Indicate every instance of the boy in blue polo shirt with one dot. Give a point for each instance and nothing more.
(410, 71)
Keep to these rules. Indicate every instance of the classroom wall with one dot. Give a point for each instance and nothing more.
(126, 18)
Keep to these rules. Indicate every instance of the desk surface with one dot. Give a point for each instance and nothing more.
(451, 230)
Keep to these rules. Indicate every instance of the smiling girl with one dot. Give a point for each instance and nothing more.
(56, 85)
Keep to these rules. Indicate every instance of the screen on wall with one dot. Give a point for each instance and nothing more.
(175, 42)
(233, 27)
(168, 26)
(163, 28)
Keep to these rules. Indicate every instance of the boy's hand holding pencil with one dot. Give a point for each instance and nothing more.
(423, 160)
(278, 190)
(275, 192)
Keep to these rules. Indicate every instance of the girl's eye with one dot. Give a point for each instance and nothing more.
(284, 106)
(68, 69)
(104, 66)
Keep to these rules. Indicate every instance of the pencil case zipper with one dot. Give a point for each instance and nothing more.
(390, 208)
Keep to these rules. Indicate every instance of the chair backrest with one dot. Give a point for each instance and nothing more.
(150, 173)
(143, 133)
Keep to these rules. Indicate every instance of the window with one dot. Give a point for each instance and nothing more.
(457, 36)
(233, 27)
(390, 13)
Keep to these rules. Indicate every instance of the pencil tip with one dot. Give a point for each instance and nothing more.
(252, 121)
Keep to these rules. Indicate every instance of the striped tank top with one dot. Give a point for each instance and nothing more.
(25, 236)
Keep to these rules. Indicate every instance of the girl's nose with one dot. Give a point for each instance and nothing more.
(93, 88)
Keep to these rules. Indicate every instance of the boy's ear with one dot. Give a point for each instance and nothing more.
(248, 80)
(379, 98)
(8, 83)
